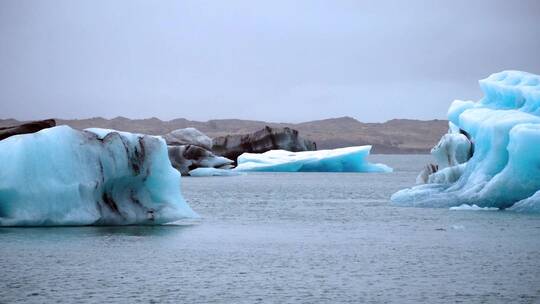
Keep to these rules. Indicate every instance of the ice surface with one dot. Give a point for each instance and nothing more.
(187, 157)
(61, 176)
(200, 172)
(188, 136)
(504, 128)
(530, 204)
(350, 159)
(453, 149)
(466, 207)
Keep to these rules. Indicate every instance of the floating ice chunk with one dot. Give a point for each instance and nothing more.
(473, 207)
(266, 139)
(188, 136)
(61, 176)
(200, 172)
(351, 159)
(505, 167)
(187, 157)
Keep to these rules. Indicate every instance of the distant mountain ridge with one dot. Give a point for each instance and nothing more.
(400, 136)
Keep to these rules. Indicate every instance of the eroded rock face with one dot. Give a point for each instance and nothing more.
(26, 128)
(232, 146)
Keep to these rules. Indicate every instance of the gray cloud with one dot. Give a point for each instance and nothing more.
(274, 60)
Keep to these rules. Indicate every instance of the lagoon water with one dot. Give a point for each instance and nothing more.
(285, 238)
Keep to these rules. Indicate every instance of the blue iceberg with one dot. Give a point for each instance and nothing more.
(504, 133)
(61, 176)
(350, 159)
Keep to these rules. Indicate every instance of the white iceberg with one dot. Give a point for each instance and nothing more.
(466, 207)
(504, 128)
(202, 172)
(351, 159)
(188, 136)
(61, 176)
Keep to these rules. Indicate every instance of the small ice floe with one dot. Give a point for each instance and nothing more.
(201, 172)
(473, 207)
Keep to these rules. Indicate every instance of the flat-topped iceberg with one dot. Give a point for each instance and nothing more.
(204, 172)
(504, 133)
(61, 176)
(351, 159)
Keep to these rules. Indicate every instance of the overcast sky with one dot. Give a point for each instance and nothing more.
(284, 61)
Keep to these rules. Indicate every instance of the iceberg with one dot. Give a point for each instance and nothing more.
(503, 169)
(202, 172)
(188, 136)
(350, 159)
(188, 157)
(190, 149)
(62, 176)
(266, 139)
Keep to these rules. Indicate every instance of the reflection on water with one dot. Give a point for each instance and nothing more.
(93, 231)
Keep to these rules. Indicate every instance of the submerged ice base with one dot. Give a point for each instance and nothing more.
(504, 169)
(61, 176)
(351, 159)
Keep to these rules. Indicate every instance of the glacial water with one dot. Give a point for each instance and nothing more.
(285, 238)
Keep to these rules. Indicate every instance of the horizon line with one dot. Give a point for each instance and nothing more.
(221, 119)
